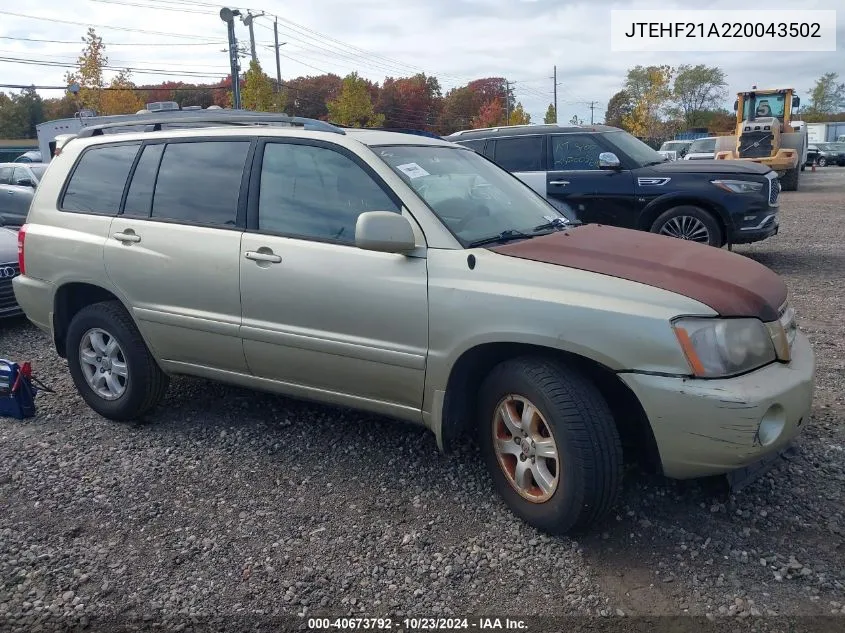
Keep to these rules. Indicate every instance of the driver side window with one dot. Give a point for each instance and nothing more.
(575, 152)
(313, 192)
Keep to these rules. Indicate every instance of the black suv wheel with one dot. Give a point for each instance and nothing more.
(689, 223)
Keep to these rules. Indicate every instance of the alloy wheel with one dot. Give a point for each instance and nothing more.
(686, 227)
(103, 364)
(525, 448)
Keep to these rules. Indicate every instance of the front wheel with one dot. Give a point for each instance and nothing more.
(110, 364)
(550, 444)
(689, 223)
(789, 181)
(822, 162)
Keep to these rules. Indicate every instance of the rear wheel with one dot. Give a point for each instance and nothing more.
(550, 444)
(789, 181)
(689, 223)
(110, 364)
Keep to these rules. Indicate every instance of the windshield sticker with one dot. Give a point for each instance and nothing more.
(412, 170)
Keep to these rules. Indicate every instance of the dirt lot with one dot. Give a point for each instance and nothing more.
(241, 505)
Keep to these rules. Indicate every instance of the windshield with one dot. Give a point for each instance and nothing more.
(472, 196)
(703, 146)
(837, 147)
(763, 106)
(673, 146)
(633, 148)
(38, 171)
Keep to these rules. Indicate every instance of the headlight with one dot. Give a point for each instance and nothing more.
(739, 186)
(717, 348)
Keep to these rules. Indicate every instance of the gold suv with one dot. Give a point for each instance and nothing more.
(412, 277)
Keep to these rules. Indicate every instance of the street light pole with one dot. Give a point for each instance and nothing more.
(228, 16)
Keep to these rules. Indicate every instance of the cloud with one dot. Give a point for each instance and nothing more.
(456, 40)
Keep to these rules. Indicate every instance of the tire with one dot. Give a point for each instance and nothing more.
(580, 426)
(789, 181)
(144, 384)
(695, 222)
(822, 161)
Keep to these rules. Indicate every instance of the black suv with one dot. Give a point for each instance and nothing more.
(603, 175)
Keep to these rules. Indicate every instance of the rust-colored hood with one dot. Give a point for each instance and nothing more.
(731, 284)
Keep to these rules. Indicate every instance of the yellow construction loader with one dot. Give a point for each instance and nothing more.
(765, 133)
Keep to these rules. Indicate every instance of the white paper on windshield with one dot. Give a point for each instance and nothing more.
(412, 170)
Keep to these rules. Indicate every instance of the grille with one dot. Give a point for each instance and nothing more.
(774, 191)
(755, 145)
(7, 293)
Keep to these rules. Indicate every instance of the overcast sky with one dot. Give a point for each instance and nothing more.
(456, 40)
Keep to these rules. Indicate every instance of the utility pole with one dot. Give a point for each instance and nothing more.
(278, 62)
(592, 107)
(555, 80)
(248, 20)
(508, 102)
(228, 16)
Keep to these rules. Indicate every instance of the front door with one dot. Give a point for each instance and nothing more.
(320, 314)
(174, 252)
(593, 195)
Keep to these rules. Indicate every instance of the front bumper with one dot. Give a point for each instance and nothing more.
(713, 427)
(767, 227)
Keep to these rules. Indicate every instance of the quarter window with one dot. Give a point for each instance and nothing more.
(575, 152)
(140, 196)
(522, 153)
(315, 192)
(97, 183)
(200, 182)
(5, 175)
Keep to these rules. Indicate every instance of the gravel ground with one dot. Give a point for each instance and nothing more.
(241, 505)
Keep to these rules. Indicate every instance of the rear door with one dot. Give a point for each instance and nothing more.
(7, 194)
(174, 251)
(593, 195)
(523, 156)
(23, 188)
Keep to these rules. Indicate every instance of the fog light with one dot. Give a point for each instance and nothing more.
(771, 426)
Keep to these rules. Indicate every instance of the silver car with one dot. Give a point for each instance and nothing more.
(17, 186)
(410, 277)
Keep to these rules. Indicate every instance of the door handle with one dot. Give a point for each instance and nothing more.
(258, 256)
(126, 237)
(559, 182)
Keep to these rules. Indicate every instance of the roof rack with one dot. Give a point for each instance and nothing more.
(209, 119)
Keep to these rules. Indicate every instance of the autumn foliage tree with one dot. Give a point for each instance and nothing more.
(551, 115)
(122, 96)
(258, 93)
(354, 104)
(651, 91)
(89, 75)
(519, 116)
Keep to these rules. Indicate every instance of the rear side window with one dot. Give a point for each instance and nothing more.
(140, 196)
(476, 145)
(200, 182)
(96, 185)
(5, 175)
(523, 153)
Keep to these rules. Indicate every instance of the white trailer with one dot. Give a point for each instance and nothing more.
(816, 132)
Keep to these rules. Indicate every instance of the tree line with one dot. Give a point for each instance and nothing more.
(659, 101)
(654, 102)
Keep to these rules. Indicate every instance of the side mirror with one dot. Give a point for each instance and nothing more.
(384, 231)
(25, 182)
(796, 102)
(736, 105)
(609, 160)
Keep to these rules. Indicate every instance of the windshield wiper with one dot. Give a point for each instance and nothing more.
(504, 236)
(559, 224)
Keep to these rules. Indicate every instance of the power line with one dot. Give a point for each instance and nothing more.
(103, 26)
(80, 41)
(138, 71)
